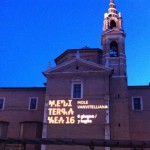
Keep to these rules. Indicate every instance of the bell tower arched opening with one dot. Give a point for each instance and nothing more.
(113, 49)
(112, 24)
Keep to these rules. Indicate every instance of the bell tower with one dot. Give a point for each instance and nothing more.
(113, 42)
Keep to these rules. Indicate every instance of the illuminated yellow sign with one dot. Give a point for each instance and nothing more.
(61, 112)
(85, 118)
(59, 103)
(67, 112)
(86, 105)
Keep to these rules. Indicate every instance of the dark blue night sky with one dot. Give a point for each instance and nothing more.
(34, 32)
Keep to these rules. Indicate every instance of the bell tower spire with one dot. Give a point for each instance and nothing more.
(112, 7)
(112, 19)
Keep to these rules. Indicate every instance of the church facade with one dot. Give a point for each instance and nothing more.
(86, 96)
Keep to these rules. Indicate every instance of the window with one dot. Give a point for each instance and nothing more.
(2, 102)
(33, 103)
(112, 24)
(31, 129)
(113, 49)
(3, 128)
(137, 103)
(77, 89)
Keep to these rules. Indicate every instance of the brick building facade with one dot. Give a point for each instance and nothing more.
(86, 96)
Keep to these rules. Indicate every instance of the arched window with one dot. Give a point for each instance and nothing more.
(113, 49)
(112, 24)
